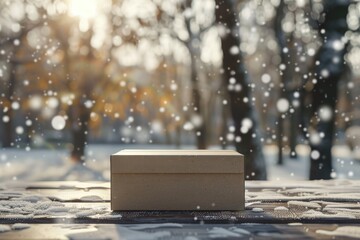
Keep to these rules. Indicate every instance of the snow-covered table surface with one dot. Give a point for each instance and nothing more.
(81, 210)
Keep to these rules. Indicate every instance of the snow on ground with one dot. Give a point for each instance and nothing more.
(53, 164)
(21, 207)
(346, 231)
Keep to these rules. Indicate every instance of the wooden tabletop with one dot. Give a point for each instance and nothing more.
(81, 210)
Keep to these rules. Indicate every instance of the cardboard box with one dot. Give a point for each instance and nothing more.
(177, 180)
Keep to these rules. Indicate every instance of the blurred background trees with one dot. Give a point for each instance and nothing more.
(329, 68)
(239, 92)
(219, 74)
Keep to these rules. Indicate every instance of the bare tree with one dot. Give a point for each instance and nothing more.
(14, 45)
(82, 75)
(242, 110)
(328, 69)
(191, 42)
(287, 75)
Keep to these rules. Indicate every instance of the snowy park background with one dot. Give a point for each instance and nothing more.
(276, 80)
(40, 164)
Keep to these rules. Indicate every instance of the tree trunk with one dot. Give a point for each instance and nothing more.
(79, 133)
(224, 125)
(287, 80)
(7, 138)
(178, 137)
(280, 134)
(200, 126)
(324, 94)
(241, 106)
(8, 131)
(199, 114)
(294, 127)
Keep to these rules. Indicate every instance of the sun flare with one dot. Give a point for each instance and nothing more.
(85, 9)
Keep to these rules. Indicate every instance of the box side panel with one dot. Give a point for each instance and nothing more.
(177, 164)
(111, 181)
(178, 192)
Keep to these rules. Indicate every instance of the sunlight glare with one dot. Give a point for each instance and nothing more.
(85, 9)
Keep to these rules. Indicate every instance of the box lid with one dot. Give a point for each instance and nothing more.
(177, 161)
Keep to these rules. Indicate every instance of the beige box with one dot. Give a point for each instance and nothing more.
(177, 180)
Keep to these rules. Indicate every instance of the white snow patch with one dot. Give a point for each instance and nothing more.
(4, 228)
(277, 235)
(137, 235)
(247, 205)
(353, 196)
(345, 231)
(4, 209)
(240, 230)
(317, 214)
(14, 203)
(77, 226)
(32, 198)
(119, 232)
(281, 208)
(48, 205)
(295, 224)
(91, 198)
(342, 210)
(218, 232)
(303, 204)
(12, 193)
(191, 238)
(20, 226)
(107, 216)
(86, 213)
(257, 209)
(16, 216)
(343, 205)
(17, 208)
(57, 210)
(152, 226)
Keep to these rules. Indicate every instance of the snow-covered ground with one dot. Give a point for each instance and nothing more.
(53, 164)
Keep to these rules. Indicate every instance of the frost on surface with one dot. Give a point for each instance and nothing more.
(313, 214)
(22, 206)
(295, 224)
(280, 208)
(119, 232)
(219, 232)
(85, 213)
(277, 235)
(333, 191)
(240, 230)
(345, 231)
(339, 210)
(248, 204)
(4, 228)
(107, 216)
(257, 209)
(303, 204)
(153, 226)
(20, 226)
(91, 198)
(15, 226)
